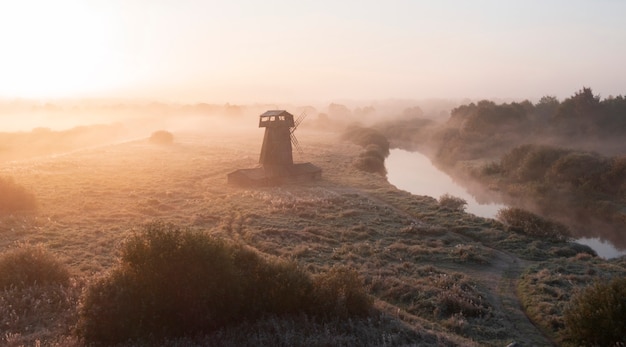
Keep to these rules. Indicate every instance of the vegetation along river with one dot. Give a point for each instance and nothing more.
(415, 173)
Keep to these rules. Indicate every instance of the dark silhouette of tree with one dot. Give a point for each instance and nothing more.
(615, 115)
(545, 109)
(580, 114)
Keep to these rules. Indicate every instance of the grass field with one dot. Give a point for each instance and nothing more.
(438, 276)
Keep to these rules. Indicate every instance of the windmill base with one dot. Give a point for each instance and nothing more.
(274, 175)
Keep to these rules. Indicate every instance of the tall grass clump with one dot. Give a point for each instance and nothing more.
(525, 222)
(452, 203)
(176, 282)
(14, 197)
(27, 265)
(162, 137)
(340, 293)
(597, 315)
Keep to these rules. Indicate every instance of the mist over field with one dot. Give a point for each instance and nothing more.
(201, 173)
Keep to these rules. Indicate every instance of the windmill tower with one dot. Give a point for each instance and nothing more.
(276, 158)
(278, 141)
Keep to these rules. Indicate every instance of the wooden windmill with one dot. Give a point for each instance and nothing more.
(279, 140)
(276, 157)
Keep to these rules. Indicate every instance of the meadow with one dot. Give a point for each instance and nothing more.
(436, 275)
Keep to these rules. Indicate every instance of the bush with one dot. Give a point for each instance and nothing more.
(376, 148)
(367, 136)
(371, 161)
(174, 282)
(162, 137)
(271, 286)
(14, 197)
(491, 168)
(27, 265)
(580, 169)
(530, 162)
(597, 315)
(168, 282)
(340, 293)
(525, 222)
(453, 203)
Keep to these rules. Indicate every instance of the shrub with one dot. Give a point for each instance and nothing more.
(580, 169)
(14, 197)
(530, 162)
(168, 282)
(162, 137)
(597, 315)
(175, 282)
(491, 168)
(525, 222)
(271, 286)
(367, 136)
(376, 148)
(453, 203)
(370, 161)
(27, 265)
(340, 293)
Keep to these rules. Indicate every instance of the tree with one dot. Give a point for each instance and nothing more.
(545, 109)
(580, 114)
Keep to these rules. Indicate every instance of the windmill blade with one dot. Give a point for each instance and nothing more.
(298, 121)
(295, 143)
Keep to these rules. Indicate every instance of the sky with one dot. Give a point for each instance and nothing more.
(245, 51)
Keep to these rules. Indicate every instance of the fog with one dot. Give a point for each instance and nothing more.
(470, 140)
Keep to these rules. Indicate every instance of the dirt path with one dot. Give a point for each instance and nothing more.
(501, 279)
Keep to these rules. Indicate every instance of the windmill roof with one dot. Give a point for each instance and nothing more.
(276, 119)
(274, 113)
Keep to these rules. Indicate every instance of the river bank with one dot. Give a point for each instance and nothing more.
(415, 173)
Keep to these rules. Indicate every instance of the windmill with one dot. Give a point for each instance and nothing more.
(276, 157)
(279, 140)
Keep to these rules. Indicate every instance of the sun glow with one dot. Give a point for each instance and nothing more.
(55, 49)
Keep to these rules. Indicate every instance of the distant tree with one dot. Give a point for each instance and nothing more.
(545, 109)
(412, 112)
(487, 119)
(580, 114)
(459, 114)
(233, 110)
(615, 112)
(364, 111)
(339, 111)
(526, 105)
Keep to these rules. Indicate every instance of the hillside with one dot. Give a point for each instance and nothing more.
(438, 276)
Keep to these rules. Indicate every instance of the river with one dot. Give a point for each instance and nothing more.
(415, 173)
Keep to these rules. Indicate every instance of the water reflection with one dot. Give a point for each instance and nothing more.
(415, 173)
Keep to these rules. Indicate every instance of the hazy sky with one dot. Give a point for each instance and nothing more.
(243, 51)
